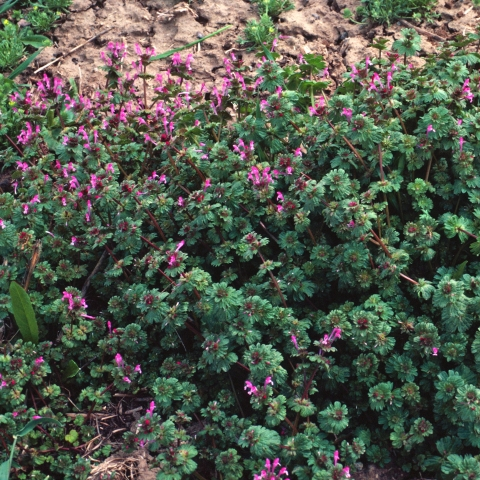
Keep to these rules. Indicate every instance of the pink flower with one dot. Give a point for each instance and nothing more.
(461, 141)
(180, 245)
(298, 152)
(347, 113)
(268, 381)
(294, 341)
(346, 472)
(252, 388)
(119, 360)
(138, 369)
(14, 414)
(181, 202)
(39, 360)
(434, 351)
(430, 129)
(208, 183)
(36, 417)
(151, 409)
(2, 224)
(176, 59)
(109, 168)
(109, 326)
(127, 380)
(336, 457)
(279, 196)
(74, 241)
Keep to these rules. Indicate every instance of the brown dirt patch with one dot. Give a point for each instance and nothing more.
(315, 26)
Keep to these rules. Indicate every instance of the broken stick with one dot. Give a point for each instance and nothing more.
(72, 50)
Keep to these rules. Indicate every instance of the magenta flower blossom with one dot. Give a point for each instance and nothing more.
(36, 417)
(119, 360)
(151, 409)
(461, 141)
(347, 113)
(269, 472)
(346, 472)
(109, 326)
(138, 369)
(294, 341)
(268, 381)
(336, 457)
(39, 360)
(2, 224)
(280, 196)
(434, 351)
(127, 380)
(180, 245)
(252, 388)
(430, 129)
(176, 59)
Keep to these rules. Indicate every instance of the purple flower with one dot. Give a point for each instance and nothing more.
(119, 360)
(347, 113)
(151, 409)
(252, 388)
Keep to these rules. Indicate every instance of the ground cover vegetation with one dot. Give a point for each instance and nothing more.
(293, 280)
(22, 30)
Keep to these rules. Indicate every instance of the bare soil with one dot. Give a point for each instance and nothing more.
(315, 26)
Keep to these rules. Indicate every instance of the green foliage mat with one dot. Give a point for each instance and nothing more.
(288, 277)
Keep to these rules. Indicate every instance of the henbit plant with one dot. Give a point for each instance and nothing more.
(299, 276)
(274, 8)
(387, 11)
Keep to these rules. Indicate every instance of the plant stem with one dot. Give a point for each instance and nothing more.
(408, 279)
(14, 145)
(468, 233)
(382, 245)
(352, 148)
(398, 116)
(236, 397)
(428, 167)
(274, 280)
(382, 176)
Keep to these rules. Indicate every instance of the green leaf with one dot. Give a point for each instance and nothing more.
(5, 470)
(24, 65)
(5, 7)
(36, 41)
(457, 274)
(23, 313)
(161, 56)
(72, 436)
(33, 423)
(70, 370)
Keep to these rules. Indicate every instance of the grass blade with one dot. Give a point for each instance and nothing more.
(24, 65)
(23, 313)
(161, 56)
